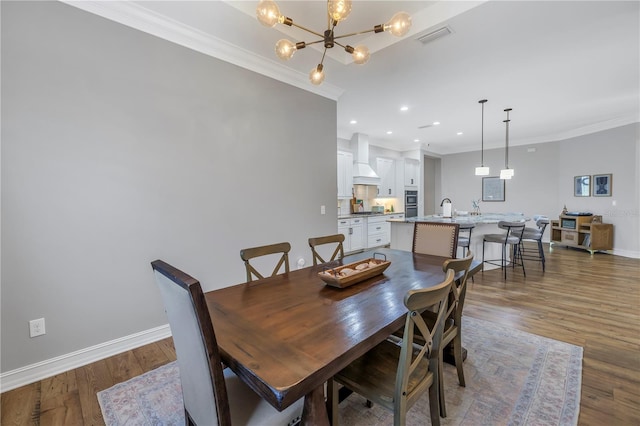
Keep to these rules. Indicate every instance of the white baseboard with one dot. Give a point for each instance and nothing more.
(50, 367)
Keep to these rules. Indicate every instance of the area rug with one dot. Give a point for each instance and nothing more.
(512, 378)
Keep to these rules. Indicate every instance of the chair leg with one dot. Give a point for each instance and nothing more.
(541, 252)
(434, 404)
(457, 354)
(443, 408)
(504, 260)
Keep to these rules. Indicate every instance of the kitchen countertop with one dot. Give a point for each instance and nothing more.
(477, 219)
(351, 215)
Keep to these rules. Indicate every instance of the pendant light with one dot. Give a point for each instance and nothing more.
(482, 170)
(506, 173)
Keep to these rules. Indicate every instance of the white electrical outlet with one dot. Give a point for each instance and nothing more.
(36, 327)
(323, 210)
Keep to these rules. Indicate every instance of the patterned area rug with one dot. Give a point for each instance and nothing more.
(512, 377)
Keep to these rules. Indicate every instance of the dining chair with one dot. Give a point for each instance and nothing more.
(464, 236)
(510, 239)
(452, 333)
(211, 395)
(395, 374)
(338, 251)
(535, 235)
(437, 239)
(273, 249)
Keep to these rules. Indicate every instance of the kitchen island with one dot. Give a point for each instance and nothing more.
(402, 231)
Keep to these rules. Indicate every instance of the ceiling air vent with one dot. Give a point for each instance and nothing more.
(434, 35)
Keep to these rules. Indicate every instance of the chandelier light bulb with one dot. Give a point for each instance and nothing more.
(399, 24)
(316, 76)
(268, 13)
(285, 49)
(360, 54)
(339, 10)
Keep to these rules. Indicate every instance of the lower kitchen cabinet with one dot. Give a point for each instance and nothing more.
(353, 231)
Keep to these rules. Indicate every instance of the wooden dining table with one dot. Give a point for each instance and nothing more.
(286, 335)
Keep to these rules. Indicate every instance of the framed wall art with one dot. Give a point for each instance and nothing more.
(492, 188)
(601, 185)
(582, 186)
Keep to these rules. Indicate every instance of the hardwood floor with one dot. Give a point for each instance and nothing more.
(588, 300)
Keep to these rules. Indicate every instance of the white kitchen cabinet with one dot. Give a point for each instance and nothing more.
(345, 174)
(377, 231)
(353, 231)
(386, 170)
(411, 172)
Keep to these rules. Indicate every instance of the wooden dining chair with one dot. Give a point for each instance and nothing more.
(273, 249)
(395, 374)
(452, 333)
(211, 395)
(436, 239)
(338, 251)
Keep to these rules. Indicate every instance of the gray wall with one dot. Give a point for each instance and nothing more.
(119, 148)
(543, 181)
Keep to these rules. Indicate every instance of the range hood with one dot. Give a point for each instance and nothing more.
(363, 174)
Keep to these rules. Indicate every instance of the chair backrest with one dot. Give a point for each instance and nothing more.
(514, 230)
(459, 288)
(336, 239)
(416, 301)
(253, 252)
(203, 386)
(437, 239)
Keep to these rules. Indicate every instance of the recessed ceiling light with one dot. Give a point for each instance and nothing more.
(416, 140)
(404, 108)
(459, 133)
(435, 123)
(389, 132)
(353, 122)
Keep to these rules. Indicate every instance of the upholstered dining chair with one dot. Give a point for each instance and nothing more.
(211, 395)
(437, 239)
(273, 249)
(510, 240)
(396, 374)
(535, 234)
(333, 241)
(453, 324)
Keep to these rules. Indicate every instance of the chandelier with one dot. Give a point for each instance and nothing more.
(337, 11)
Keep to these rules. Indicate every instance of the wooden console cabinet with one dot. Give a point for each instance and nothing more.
(580, 232)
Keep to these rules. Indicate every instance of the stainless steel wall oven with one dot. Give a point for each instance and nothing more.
(410, 203)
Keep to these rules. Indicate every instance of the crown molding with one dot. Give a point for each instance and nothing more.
(140, 18)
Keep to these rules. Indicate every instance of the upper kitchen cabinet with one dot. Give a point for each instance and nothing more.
(411, 172)
(345, 174)
(386, 169)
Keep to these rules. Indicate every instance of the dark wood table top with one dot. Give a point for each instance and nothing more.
(287, 335)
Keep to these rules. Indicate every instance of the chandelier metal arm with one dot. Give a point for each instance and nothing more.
(375, 29)
(306, 29)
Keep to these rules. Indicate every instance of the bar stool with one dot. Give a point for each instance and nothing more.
(464, 236)
(535, 234)
(512, 238)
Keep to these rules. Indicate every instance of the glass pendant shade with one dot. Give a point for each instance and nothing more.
(482, 171)
(361, 54)
(316, 76)
(285, 49)
(268, 13)
(506, 173)
(399, 24)
(339, 10)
